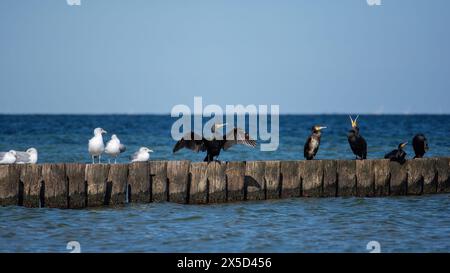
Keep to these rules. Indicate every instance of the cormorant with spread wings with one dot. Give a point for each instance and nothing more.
(213, 146)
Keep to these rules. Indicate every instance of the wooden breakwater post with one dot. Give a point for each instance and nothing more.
(79, 185)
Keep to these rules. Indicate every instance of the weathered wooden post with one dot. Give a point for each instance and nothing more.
(76, 179)
(365, 178)
(382, 176)
(158, 178)
(272, 179)
(56, 188)
(31, 177)
(291, 178)
(422, 176)
(9, 185)
(399, 178)
(217, 182)
(329, 178)
(178, 174)
(139, 188)
(254, 180)
(97, 177)
(235, 175)
(117, 184)
(346, 170)
(312, 178)
(443, 167)
(199, 183)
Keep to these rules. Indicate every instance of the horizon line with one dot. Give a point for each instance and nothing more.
(168, 114)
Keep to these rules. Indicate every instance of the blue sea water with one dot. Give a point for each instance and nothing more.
(63, 138)
(399, 224)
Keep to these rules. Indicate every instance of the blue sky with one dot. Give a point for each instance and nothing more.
(311, 56)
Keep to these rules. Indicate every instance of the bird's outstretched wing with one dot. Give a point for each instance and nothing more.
(191, 141)
(238, 136)
(23, 157)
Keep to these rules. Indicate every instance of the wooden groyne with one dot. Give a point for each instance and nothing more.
(73, 185)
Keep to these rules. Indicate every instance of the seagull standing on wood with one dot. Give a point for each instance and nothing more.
(114, 148)
(96, 146)
(142, 155)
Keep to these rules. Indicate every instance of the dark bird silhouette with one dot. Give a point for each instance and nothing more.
(398, 154)
(357, 143)
(213, 146)
(420, 145)
(313, 142)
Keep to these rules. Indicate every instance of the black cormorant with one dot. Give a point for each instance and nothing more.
(398, 154)
(213, 146)
(420, 145)
(313, 142)
(356, 141)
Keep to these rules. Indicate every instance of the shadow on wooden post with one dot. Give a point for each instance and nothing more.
(97, 178)
(235, 176)
(139, 190)
(329, 178)
(31, 176)
(398, 184)
(9, 185)
(56, 186)
(443, 170)
(254, 184)
(76, 179)
(158, 178)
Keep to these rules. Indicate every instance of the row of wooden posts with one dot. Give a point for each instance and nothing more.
(74, 185)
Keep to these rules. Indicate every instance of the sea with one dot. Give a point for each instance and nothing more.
(395, 224)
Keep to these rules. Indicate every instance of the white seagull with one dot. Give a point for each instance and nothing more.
(29, 156)
(9, 157)
(142, 155)
(96, 145)
(114, 148)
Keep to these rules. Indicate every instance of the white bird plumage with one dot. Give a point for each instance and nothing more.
(29, 156)
(96, 146)
(114, 148)
(142, 155)
(9, 157)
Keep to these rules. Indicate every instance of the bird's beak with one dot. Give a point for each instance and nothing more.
(104, 132)
(150, 151)
(321, 127)
(220, 125)
(354, 123)
(403, 145)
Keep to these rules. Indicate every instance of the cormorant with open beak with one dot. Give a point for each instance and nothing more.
(214, 145)
(313, 142)
(420, 145)
(356, 141)
(398, 154)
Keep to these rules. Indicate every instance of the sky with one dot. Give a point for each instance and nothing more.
(146, 56)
